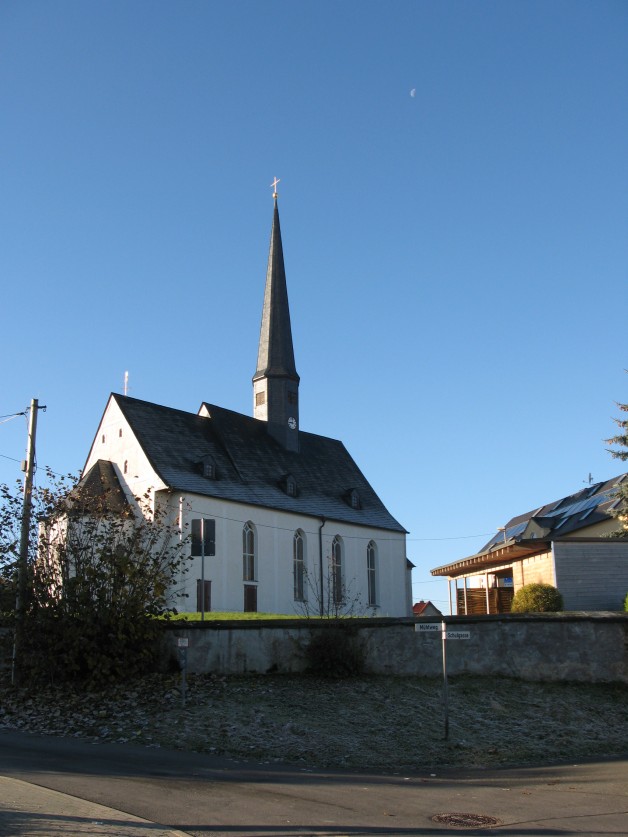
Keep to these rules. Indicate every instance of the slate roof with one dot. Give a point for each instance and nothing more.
(100, 488)
(251, 466)
(562, 517)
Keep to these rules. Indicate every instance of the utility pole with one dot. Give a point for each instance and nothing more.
(22, 564)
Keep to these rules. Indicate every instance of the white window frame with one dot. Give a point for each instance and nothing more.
(371, 573)
(337, 570)
(298, 566)
(249, 556)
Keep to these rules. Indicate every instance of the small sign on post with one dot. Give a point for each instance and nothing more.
(458, 634)
(423, 627)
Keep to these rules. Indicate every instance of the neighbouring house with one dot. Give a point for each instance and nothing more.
(565, 543)
(425, 609)
(279, 520)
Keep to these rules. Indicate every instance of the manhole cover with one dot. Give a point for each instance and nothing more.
(466, 820)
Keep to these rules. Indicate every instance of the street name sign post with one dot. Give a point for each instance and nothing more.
(446, 634)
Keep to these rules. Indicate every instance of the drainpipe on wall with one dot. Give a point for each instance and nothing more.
(182, 570)
(320, 560)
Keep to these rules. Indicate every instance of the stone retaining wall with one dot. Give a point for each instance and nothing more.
(591, 647)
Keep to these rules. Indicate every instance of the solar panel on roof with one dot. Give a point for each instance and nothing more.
(516, 530)
(502, 537)
(583, 505)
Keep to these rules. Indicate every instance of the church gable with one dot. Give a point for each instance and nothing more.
(116, 443)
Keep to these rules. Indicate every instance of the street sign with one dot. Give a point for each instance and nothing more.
(422, 627)
(458, 634)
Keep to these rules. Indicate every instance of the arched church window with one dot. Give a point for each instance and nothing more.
(337, 593)
(248, 553)
(371, 572)
(298, 565)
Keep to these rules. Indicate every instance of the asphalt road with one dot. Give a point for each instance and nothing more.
(204, 795)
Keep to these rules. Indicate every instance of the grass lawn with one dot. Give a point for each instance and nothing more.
(222, 616)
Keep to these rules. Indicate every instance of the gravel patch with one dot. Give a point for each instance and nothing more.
(383, 723)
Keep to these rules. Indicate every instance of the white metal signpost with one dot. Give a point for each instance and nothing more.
(446, 633)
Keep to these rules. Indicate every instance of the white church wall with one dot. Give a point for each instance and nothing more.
(274, 538)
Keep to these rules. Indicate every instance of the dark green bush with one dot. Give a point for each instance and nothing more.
(537, 598)
(335, 652)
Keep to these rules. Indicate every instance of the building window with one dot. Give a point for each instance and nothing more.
(336, 570)
(207, 467)
(203, 537)
(126, 466)
(289, 485)
(293, 398)
(260, 399)
(102, 438)
(248, 553)
(371, 572)
(120, 433)
(298, 564)
(352, 497)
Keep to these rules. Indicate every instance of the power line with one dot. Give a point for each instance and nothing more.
(286, 529)
(454, 538)
(4, 456)
(11, 416)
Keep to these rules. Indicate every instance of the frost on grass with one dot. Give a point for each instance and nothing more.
(384, 723)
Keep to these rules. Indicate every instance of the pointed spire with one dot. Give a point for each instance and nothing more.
(276, 382)
(276, 354)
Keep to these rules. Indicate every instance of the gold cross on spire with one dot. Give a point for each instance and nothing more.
(274, 187)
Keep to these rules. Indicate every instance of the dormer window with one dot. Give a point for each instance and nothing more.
(207, 467)
(289, 485)
(352, 497)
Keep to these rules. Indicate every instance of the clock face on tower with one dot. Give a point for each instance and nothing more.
(292, 423)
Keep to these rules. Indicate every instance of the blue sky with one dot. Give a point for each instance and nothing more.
(456, 258)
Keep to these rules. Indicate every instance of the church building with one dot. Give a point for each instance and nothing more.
(276, 519)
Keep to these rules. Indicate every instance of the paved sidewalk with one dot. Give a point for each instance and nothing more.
(31, 811)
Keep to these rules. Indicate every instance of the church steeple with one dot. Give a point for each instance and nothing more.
(276, 382)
